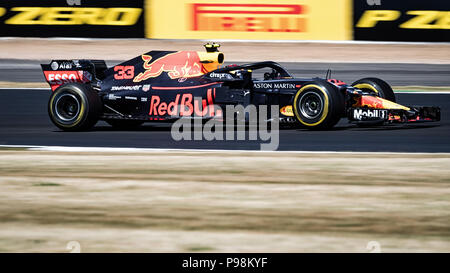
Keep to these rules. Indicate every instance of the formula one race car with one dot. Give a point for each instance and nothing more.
(166, 85)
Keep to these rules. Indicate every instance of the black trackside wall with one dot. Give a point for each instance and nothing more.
(402, 20)
(72, 18)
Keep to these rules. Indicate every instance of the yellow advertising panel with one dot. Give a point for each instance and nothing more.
(249, 19)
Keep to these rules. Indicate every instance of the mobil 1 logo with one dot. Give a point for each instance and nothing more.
(368, 114)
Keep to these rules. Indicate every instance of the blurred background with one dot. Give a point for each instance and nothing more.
(337, 20)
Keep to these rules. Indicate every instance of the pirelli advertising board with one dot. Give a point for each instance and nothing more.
(249, 19)
(72, 18)
(400, 20)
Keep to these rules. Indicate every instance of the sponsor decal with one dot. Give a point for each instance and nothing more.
(365, 114)
(220, 76)
(60, 78)
(412, 20)
(130, 98)
(284, 85)
(263, 85)
(127, 88)
(266, 85)
(183, 105)
(146, 87)
(248, 17)
(57, 78)
(65, 65)
(61, 65)
(74, 16)
(113, 97)
(420, 19)
(144, 99)
(181, 64)
(287, 111)
(57, 18)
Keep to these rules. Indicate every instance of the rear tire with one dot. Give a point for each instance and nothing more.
(74, 107)
(378, 86)
(319, 105)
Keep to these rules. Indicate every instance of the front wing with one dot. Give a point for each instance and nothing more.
(374, 109)
(414, 114)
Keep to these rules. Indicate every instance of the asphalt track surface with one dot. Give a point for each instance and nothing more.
(24, 121)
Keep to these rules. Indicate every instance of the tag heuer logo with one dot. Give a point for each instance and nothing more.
(146, 87)
(54, 65)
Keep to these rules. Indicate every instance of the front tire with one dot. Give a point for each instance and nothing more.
(74, 107)
(318, 105)
(381, 88)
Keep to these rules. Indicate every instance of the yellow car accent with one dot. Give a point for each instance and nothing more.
(387, 104)
(325, 110)
(366, 86)
(211, 60)
(287, 111)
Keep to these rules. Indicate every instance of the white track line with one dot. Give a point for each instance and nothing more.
(149, 150)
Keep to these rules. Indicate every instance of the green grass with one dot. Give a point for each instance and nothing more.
(13, 149)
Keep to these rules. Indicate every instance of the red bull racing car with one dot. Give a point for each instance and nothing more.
(166, 85)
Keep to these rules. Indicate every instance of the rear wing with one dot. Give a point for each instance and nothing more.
(59, 72)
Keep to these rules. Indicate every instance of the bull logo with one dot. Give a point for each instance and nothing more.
(181, 64)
